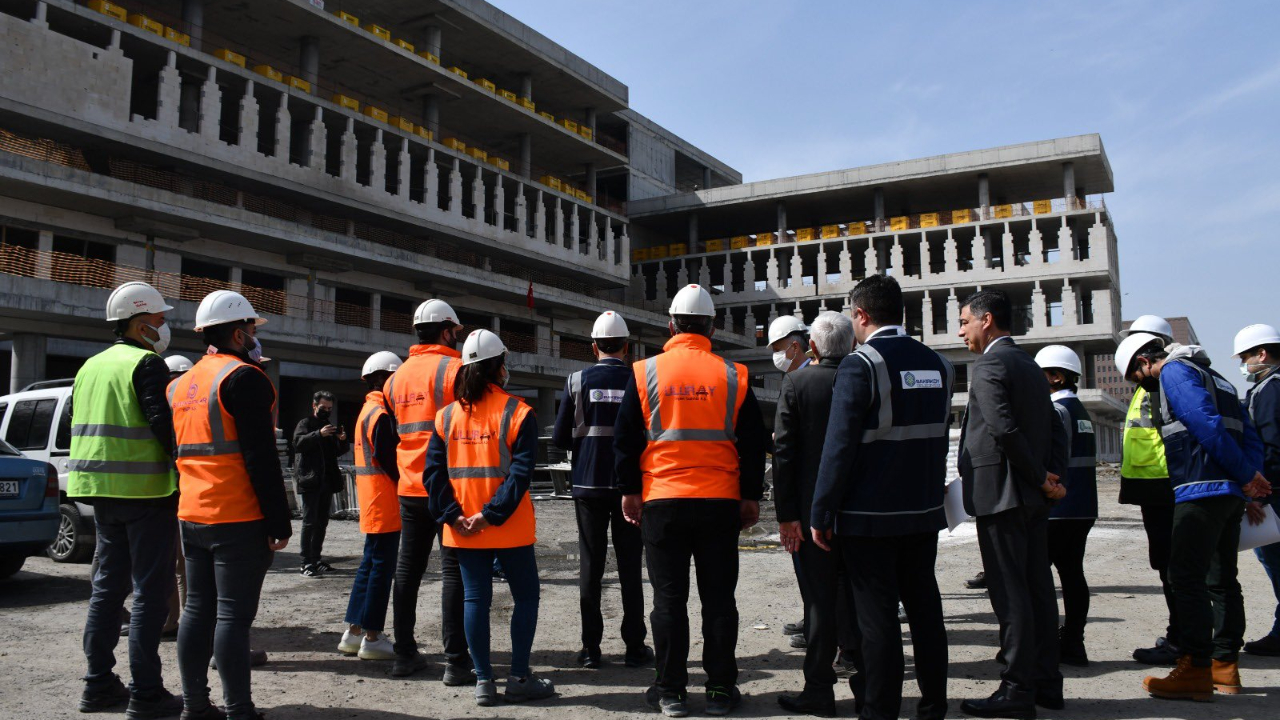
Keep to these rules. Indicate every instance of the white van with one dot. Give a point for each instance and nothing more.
(37, 421)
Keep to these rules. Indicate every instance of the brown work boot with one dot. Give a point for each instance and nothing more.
(1185, 682)
(1226, 677)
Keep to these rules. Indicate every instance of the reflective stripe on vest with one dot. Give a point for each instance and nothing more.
(219, 445)
(504, 445)
(113, 451)
(413, 396)
(885, 429)
(375, 490)
(1172, 426)
(580, 427)
(1253, 394)
(658, 434)
(1143, 449)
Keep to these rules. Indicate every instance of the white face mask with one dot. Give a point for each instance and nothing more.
(781, 360)
(254, 351)
(1255, 375)
(161, 343)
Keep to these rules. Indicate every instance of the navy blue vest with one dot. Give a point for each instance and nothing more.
(596, 393)
(1192, 471)
(896, 487)
(1081, 502)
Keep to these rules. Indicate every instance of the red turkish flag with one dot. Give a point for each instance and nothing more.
(529, 295)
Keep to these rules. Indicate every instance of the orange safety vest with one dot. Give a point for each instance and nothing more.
(691, 398)
(212, 478)
(417, 391)
(479, 442)
(375, 490)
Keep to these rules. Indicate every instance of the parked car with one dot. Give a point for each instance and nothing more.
(37, 422)
(29, 515)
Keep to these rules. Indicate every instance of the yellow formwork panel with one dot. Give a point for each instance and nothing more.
(230, 56)
(639, 254)
(379, 31)
(658, 253)
(677, 249)
(348, 17)
(500, 163)
(961, 216)
(902, 222)
(405, 44)
(739, 242)
(507, 95)
(806, 234)
(454, 144)
(298, 83)
(1002, 211)
(477, 153)
(109, 9)
(586, 132)
(458, 71)
(764, 239)
(550, 181)
(830, 231)
(583, 195)
(547, 116)
(527, 104)
(1043, 207)
(568, 124)
(347, 102)
(857, 227)
(487, 84)
(181, 38)
(269, 72)
(713, 245)
(376, 113)
(429, 57)
(928, 220)
(424, 133)
(139, 20)
(401, 123)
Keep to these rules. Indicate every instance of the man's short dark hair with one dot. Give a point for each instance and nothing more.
(322, 395)
(429, 333)
(880, 297)
(693, 324)
(609, 346)
(993, 302)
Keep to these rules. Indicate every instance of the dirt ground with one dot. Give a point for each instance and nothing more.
(300, 622)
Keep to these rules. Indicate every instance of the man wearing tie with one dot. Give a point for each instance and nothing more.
(1012, 450)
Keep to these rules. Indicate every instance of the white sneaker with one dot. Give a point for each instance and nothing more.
(350, 644)
(380, 649)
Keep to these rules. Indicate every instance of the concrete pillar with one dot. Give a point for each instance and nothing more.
(402, 169)
(41, 15)
(706, 178)
(546, 404)
(896, 260)
(591, 183)
(478, 195)
(926, 316)
(771, 277)
(797, 268)
(871, 260)
(981, 257)
(378, 163)
(692, 237)
(1008, 256)
(431, 115)
(317, 141)
(347, 153)
(1035, 246)
(375, 311)
(846, 263)
(820, 272)
(879, 209)
(235, 276)
(704, 272)
(284, 127)
(782, 222)
(44, 258)
(950, 254)
(521, 211)
(309, 61)
(169, 93)
(1066, 242)
(624, 245)
(984, 196)
(210, 105)
(953, 313)
(1039, 309)
(1070, 305)
(455, 188)
(27, 360)
(556, 218)
(526, 86)
(1069, 184)
(540, 217)
(590, 118)
(748, 275)
(432, 44)
(193, 16)
(682, 277)
(499, 203)
(526, 155)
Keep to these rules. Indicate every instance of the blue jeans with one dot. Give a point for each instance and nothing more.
(477, 582)
(371, 590)
(1269, 556)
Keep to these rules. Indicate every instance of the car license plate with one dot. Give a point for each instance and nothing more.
(10, 488)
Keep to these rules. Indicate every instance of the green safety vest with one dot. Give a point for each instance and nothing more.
(113, 451)
(1143, 447)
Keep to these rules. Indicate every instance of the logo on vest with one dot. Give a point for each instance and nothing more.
(921, 380)
(1084, 426)
(690, 392)
(610, 396)
(471, 437)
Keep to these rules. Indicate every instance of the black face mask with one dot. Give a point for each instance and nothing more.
(1150, 384)
(322, 415)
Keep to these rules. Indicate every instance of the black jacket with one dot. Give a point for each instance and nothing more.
(316, 463)
(247, 395)
(799, 427)
(1011, 434)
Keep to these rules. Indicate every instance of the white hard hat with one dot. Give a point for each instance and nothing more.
(177, 363)
(481, 345)
(784, 326)
(379, 361)
(693, 300)
(435, 311)
(1130, 347)
(609, 325)
(1058, 357)
(135, 298)
(225, 306)
(1153, 324)
(1254, 336)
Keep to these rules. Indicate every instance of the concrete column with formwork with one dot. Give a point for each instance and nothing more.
(1069, 184)
(590, 182)
(432, 40)
(526, 86)
(984, 196)
(706, 178)
(781, 209)
(499, 202)
(879, 209)
(1035, 245)
(526, 155)
(749, 276)
(431, 114)
(193, 16)
(1008, 255)
(871, 260)
(590, 118)
(28, 357)
(309, 61)
(692, 236)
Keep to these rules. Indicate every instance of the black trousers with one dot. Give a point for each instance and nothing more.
(1157, 520)
(1015, 557)
(417, 534)
(884, 570)
(1202, 568)
(135, 553)
(831, 623)
(1067, 539)
(316, 506)
(706, 531)
(798, 566)
(596, 517)
(226, 565)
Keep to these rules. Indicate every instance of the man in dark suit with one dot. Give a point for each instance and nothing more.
(800, 426)
(880, 492)
(1012, 451)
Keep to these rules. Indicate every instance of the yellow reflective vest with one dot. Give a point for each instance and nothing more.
(1143, 447)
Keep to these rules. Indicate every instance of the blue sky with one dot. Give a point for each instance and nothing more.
(1186, 97)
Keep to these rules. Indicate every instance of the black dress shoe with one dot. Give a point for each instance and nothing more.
(111, 695)
(639, 658)
(1050, 700)
(1003, 703)
(588, 660)
(806, 704)
(977, 582)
